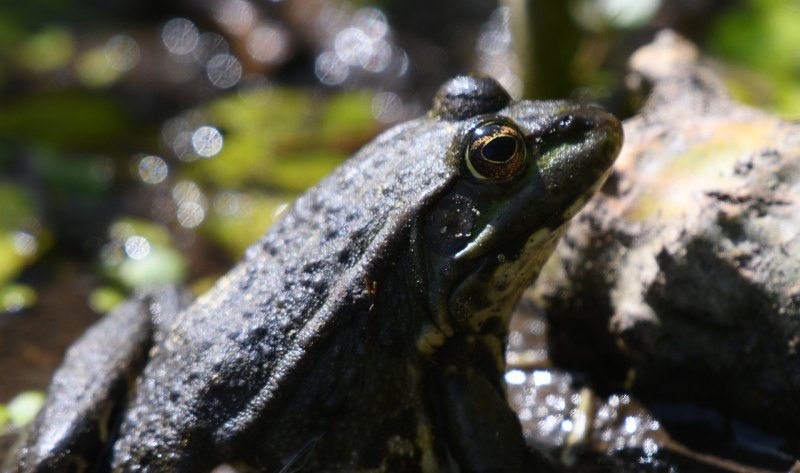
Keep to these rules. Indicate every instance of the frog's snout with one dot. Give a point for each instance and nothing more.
(576, 155)
(610, 133)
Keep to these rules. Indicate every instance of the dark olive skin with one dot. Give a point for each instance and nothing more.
(366, 330)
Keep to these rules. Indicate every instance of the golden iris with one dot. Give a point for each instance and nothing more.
(495, 150)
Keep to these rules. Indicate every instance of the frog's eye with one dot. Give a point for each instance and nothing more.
(495, 150)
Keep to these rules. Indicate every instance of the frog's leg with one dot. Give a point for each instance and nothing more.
(88, 395)
(483, 433)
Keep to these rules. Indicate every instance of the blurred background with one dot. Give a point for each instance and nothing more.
(146, 142)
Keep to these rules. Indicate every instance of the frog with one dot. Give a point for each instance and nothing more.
(366, 330)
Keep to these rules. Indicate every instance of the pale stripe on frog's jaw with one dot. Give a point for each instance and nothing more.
(474, 247)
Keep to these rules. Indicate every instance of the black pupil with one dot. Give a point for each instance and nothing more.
(500, 149)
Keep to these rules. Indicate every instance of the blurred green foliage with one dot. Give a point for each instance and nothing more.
(66, 120)
(21, 409)
(236, 230)
(105, 298)
(283, 138)
(46, 50)
(141, 253)
(15, 206)
(15, 297)
(21, 242)
(762, 38)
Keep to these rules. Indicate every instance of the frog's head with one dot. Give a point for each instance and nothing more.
(524, 169)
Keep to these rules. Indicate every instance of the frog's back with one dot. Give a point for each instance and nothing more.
(293, 291)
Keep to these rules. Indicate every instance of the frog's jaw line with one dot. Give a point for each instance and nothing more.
(581, 201)
(475, 247)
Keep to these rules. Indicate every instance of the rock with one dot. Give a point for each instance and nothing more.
(686, 268)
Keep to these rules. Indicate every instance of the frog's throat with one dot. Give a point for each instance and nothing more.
(509, 269)
(477, 308)
(499, 262)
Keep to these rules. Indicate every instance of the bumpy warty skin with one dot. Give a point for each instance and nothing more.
(328, 235)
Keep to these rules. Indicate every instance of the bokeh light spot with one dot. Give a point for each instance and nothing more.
(137, 247)
(24, 243)
(177, 135)
(153, 169)
(631, 424)
(122, 53)
(650, 447)
(268, 43)
(190, 214)
(379, 58)
(388, 107)
(180, 36)
(542, 378)
(598, 15)
(207, 141)
(230, 203)
(15, 297)
(191, 203)
(224, 71)
(372, 22)
(47, 50)
(187, 191)
(515, 377)
(352, 46)
(93, 69)
(331, 70)
(237, 16)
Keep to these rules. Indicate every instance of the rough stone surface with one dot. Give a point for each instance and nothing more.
(687, 267)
